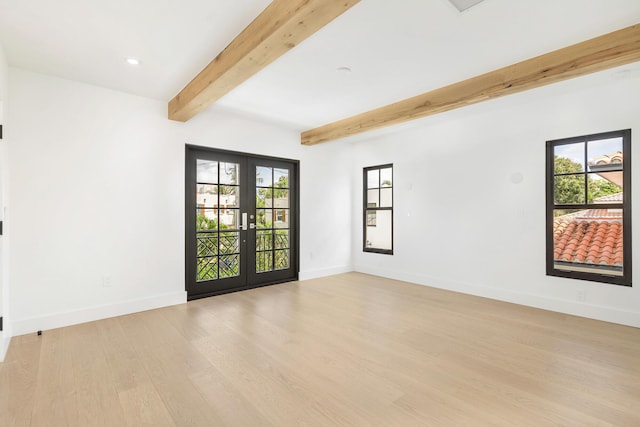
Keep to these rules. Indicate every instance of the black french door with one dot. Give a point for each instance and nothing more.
(241, 221)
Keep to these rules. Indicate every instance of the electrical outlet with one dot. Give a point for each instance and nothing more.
(581, 295)
(106, 281)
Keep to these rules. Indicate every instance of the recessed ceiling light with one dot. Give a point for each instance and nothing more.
(344, 70)
(463, 5)
(133, 61)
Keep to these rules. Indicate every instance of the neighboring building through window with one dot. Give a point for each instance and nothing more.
(378, 209)
(589, 207)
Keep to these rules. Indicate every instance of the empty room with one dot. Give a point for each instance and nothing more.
(319, 213)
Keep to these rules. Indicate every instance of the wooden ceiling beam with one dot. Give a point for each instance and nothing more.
(607, 51)
(278, 29)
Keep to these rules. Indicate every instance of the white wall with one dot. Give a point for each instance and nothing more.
(97, 189)
(462, 224)
(4, 89)
(96, 183)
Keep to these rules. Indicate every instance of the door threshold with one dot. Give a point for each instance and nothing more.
(242, 288)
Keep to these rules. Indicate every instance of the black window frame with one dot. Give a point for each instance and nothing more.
(366, 208)
(626, 278)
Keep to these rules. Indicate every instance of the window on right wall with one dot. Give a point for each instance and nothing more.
(589, 207)
(378, 209)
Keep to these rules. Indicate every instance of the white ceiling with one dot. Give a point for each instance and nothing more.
(395, 49)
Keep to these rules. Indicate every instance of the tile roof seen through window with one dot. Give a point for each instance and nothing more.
(611, 198)
(588, 242)
(607, 159)
(593, 236)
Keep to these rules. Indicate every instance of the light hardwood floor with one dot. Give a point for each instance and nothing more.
(349, 350)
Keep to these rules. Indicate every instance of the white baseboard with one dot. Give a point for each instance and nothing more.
(314, 274)
(58, 320)
(591, 311)
(4, 345)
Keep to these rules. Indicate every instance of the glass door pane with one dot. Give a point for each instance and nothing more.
(273, 237)
(217, 220)
(272, 219)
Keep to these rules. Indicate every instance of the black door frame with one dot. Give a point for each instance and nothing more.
(191, 154)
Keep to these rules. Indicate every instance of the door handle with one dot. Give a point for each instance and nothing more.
(243, 222)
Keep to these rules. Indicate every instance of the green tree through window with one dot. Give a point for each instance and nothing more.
(569, 189)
